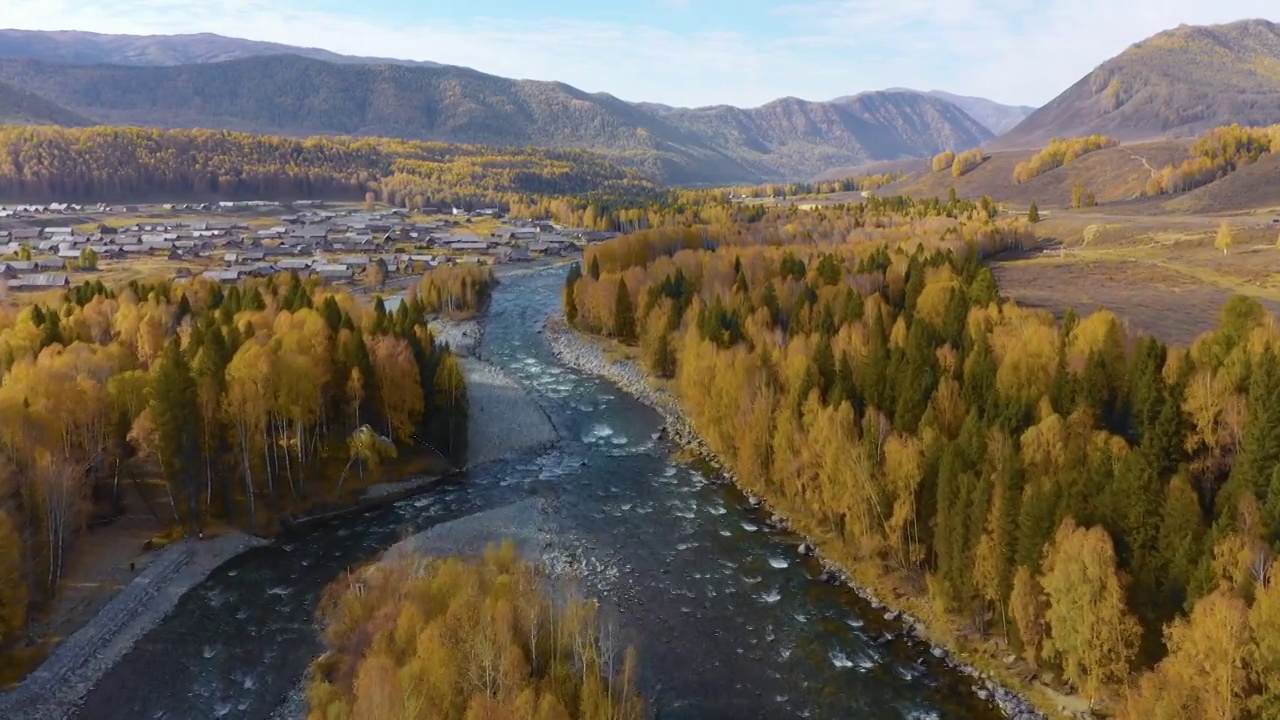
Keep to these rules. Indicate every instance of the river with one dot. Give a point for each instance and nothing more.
(725, 615)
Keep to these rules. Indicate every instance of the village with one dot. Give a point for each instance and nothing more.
(51, 246)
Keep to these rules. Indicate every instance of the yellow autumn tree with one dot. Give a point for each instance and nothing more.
(1225, 238)
(1090, 629)
(466, 640)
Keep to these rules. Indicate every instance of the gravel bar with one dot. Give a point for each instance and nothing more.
(503, 417)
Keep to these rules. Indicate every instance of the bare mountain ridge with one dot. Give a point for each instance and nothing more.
(292, 95)
(1177, 83)
(87, 48)
(996, 117)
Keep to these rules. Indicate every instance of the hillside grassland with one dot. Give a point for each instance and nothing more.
(1163, 275)
(1177, 83)
(1253, 187)
(1113, 174)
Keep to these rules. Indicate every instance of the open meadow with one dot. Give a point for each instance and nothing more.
(1163, 274)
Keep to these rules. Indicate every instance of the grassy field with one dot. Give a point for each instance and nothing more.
(1162, 274)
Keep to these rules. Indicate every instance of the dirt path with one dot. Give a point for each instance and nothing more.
(55, 689)
(106, 559)
(1145, 164)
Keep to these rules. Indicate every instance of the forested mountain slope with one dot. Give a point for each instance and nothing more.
(120, 164)
(1180, 82)
(1090, 497)
(20, 107)
(785, 139)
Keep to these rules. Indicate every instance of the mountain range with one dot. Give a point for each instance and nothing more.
(87, 48)
(293, 95)
(1174, 84)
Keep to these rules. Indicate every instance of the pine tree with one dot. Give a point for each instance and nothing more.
(570, 299)
(1260, 446)
(624, 319)
(174, 410)
(1181, 544)
(875, 371)
(916, 379)
(1033, 214)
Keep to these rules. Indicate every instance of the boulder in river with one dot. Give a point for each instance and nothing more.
(805, 549)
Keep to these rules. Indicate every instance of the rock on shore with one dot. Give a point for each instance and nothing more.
(572, 349)
(55, 689)
(462, 336)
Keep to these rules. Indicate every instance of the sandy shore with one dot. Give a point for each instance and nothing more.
(54, 690)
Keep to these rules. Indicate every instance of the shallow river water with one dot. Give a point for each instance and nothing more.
(726, 617)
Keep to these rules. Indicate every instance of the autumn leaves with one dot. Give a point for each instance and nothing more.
(1086, 496)
(492, 638)
(68, 164)
(243, 402)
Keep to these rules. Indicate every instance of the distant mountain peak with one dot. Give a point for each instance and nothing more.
(89, 48)
(995, 117)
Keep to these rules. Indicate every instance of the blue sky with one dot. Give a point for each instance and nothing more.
(692, 52)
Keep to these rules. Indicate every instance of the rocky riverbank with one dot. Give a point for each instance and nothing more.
(462, 336)
(55, 689)
(585, 355)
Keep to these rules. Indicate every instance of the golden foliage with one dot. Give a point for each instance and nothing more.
(967, 161)
(1059, 152)
(410, 638)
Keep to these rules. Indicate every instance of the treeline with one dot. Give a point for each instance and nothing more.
(678, 207)
(960, 164)
(822, 187)
(242, 402)
(1215, 155)
(1059, 152)
(116, 164)
(1103, 503)
(458, 640)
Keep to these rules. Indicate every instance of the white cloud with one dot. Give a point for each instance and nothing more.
(1022, 51)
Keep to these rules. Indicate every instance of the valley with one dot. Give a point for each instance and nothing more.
(899, 405)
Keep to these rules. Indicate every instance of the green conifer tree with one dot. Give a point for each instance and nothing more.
(624, 318)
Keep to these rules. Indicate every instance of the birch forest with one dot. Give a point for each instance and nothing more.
(1103, 505)
(487, 639)
(220, 405)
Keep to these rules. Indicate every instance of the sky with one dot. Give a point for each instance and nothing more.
(692, 52)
